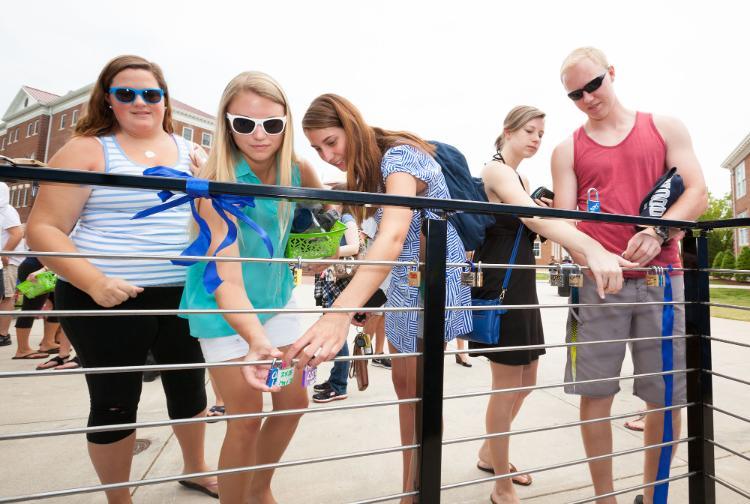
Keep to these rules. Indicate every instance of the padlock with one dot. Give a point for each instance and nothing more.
(555, 276)
(309, 375)
(273, 374)
(575, 278)
(592, 203)
(366, 343)
(480, 276)
(414, 277)
(652, 278)
(469, 277)
(297, 272)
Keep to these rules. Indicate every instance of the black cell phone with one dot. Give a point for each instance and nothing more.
(542, 192)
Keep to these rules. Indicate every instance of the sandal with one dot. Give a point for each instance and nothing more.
(210, 490)
(53, 363)
(32, 355)
(521, 479)
(73, 363)
(52, 350)
(215, 411)
(636, 425)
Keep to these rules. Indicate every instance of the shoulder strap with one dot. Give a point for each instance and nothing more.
(513, 255)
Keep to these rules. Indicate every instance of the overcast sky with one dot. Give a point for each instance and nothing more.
(448, 71)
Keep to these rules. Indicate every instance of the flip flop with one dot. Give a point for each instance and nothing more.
(32, 355)
(634, 424)
(200, 488)
(512, 468)
(73, 363)
(51, 351)
(215, 411)
(52, 363)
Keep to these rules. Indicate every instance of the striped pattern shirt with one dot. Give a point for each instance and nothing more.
(105, 224)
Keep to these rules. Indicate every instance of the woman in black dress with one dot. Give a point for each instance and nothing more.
(522, 134)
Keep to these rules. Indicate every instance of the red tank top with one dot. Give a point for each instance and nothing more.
(623, 174)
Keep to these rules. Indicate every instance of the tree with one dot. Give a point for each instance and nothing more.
(717, 263)
(727, 263)
(718, 239)
(743, 263)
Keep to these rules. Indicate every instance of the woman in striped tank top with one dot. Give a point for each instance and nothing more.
(127, 127)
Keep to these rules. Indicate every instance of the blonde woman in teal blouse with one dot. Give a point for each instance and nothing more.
(254, 145)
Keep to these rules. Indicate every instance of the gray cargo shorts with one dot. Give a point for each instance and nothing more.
(589, 362)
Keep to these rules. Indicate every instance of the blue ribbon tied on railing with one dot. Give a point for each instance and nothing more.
(661, 491)
(222, 203)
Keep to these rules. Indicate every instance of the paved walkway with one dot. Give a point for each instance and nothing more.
(34, 404)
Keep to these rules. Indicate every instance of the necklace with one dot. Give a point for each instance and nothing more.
(149, 154)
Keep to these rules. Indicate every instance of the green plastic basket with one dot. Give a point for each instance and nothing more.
(315, 245)
(44, 283)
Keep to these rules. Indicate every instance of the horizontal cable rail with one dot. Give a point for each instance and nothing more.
(732, 378)
(27, 172)
(219, 472)
(730, 342)
(577, 423)
(178, 367)
(185, 421)
(734, 307)
(731, 487)
(564, 305)
(636, 487)
(720, 270)
(721, 446)
(728, 413)
(563, 465)
(562, 384)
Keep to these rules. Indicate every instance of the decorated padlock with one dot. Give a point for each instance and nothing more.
(592, 201)
(469, 277)
(413, 277)
(279, 375)
(364, 341)
(652, 278)
(297, 272)
(555, 276)
(575, 279)
(309, 375)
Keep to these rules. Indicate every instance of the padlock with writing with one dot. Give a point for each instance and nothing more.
(555, 276)
(592, 201)
(364, 341)
(469, 277)
(413, 277)
(575, 279)
(297, 272)
(309, 375)
(652, 278)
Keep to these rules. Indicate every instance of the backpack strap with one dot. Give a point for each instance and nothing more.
(513, 255)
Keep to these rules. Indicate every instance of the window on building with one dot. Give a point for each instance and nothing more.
(62, 121)
(740, 181)
(29, 129)
(187, 133)
(15, 135)
(537, 249)
(206, 139)
(36, 127)
(74, 118)
(26, 195)
(743, 234)
(26, 102)
(2, 145)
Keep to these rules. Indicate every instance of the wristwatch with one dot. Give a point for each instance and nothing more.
(662, 232)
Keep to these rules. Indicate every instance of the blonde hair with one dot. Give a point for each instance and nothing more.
(514, 121)
(582, 53)
(225, 155)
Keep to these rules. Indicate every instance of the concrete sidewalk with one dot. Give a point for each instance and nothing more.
(60, 462)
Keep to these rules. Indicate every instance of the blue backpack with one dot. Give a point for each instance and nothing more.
(471, 228)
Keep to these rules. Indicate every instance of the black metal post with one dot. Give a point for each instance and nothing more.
(702, 489)
(429, 414)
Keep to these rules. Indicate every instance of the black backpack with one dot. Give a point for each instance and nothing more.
(471, 228)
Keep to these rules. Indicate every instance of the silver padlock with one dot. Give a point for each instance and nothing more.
(469, 277)
(575, 279)
(555, 276)
(480, 276)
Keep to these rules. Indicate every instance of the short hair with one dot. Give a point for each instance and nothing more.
(582, 53)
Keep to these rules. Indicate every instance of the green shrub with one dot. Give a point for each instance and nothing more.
(727, 262)
(743, 263)
(717, 263)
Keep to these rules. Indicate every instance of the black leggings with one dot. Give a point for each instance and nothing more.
(125, 341)
(27, 267)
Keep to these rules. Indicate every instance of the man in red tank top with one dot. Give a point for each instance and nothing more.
(621, 154)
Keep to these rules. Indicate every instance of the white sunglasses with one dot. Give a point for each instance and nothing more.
(243, 125)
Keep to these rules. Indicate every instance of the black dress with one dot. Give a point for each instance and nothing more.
(517, 327)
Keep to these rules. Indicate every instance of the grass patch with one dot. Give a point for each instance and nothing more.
(740, 297)
(542, 276)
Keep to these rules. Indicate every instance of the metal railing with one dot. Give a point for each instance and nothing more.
(430, 373)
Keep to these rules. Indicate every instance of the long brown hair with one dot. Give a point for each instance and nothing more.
(99, 119)
(365, 145)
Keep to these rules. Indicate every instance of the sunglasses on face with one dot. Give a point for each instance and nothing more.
(243, 125)
(589, 88)
(127, 95)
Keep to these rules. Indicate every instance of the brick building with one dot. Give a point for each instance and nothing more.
(737, 163)
(38, 123)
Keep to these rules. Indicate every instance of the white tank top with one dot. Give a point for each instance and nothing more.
(105, 224)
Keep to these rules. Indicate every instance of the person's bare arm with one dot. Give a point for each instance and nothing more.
(351, 237)
(308, 175)
(15, 235)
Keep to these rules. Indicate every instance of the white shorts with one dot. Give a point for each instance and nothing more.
(282, 330)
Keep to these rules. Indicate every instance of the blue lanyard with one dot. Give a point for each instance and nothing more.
(661, 491)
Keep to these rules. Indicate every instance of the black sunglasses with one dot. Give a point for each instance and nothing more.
(592, 86)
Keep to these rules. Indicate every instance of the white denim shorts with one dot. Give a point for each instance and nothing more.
(282, 330)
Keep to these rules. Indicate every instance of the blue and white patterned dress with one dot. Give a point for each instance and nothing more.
(403, 328)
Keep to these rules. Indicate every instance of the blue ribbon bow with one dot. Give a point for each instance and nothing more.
(222, 203)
